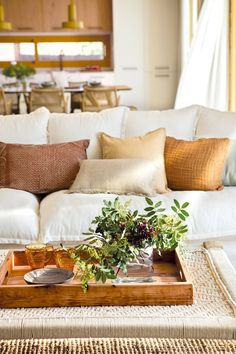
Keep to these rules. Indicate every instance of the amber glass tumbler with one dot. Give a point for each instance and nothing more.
(63, 258)
(38, 254)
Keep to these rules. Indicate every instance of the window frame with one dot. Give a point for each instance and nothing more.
(37, 64)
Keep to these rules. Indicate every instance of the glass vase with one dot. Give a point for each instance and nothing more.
(140, 270)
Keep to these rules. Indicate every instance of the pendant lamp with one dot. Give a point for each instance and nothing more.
(72, 22)
(4, 26)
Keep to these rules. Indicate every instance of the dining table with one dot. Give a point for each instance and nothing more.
(25, 92)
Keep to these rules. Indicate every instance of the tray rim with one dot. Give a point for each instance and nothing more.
(186, 275)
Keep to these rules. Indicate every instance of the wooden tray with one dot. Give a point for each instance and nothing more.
(172, 286)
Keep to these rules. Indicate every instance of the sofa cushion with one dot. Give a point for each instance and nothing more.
(64, 217)
(75, 126)
(229, 173)
(40, 168)
(179, 123)
(25, 128)
(19, 216)
(121, 176)
(215, 124)
(195, 165)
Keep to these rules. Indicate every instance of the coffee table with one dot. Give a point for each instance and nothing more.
(211, 316)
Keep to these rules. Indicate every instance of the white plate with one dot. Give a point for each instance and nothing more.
(49, 276)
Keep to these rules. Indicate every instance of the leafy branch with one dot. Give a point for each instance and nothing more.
(120, 234)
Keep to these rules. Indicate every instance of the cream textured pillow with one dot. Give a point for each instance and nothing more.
(147, 147)
(120, 176)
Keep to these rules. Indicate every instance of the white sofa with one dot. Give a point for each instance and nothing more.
(60, 216)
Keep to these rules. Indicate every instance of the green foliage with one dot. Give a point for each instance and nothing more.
(120, 234)
(19, 70)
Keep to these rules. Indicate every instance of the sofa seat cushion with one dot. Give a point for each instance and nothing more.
(19, 216)
(64, 216)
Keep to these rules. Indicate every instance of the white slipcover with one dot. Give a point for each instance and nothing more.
(19, 216)
(25, 128)
(75, 126)
(179, 123)
(64, 217)
(216, 124)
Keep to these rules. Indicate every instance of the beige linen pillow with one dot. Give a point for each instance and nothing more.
(148, 147)
(119, 176)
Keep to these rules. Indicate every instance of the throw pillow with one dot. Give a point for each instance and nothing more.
(148, 147)
(40, 168)
(119, 176)
(195, 165)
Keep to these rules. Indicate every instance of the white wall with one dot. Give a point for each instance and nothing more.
(146, 51)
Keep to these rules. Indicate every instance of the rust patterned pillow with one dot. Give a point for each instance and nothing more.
(40, 168)
(195, 165)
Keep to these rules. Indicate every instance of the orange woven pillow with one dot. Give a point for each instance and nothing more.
(40, 168)
(195, 165)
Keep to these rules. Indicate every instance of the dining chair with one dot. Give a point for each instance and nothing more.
(5, 104)
(76, 97)
(13, 97)
(51, 98)
(95, 99)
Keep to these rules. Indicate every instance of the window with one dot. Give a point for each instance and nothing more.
(50, 51)
(17, 52)
(70, 51)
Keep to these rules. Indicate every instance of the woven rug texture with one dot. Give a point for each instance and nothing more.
(118, 346)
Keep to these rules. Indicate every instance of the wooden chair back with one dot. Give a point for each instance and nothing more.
(95, 99)
(51, 98)
(5, 105)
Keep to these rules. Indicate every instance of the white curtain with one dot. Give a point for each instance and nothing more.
(204, 79)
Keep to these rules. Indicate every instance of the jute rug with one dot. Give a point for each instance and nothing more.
(211, 316)
(118, 346)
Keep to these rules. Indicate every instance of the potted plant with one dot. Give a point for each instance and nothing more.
(122, 236)
(19, 70)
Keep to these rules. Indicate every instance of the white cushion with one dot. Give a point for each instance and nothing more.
(75, 126)
(25, 128)
(179, 123)
(19, 216)
(216, 124)
(64, 217)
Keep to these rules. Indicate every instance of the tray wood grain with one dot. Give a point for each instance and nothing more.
(172, 286)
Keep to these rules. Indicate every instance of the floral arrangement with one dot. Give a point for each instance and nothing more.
(20, 71)
(121, 235)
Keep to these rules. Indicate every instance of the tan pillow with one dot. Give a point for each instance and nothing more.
(148, 147)
(40, 168)
(195, 165)
(119, 176)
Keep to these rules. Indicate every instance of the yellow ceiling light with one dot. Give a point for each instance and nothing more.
(4, 26)
(72, 22)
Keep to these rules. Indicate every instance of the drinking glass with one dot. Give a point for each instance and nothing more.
(38, 254)
(63, 258)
